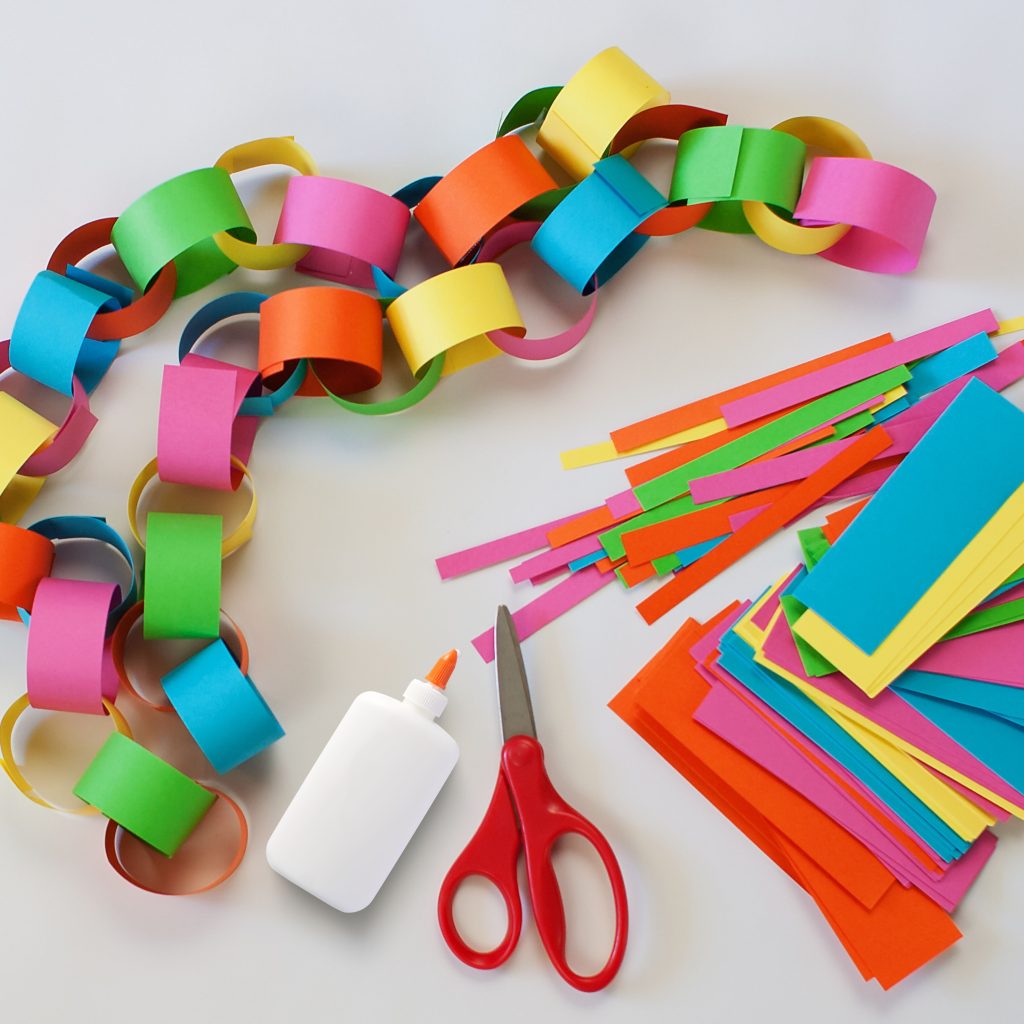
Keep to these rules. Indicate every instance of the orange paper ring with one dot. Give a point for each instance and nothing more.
(133, 319)
(26, 557)
(119, 641)
(111, 846)
(669, 122)
(474, 197)
(340, 332)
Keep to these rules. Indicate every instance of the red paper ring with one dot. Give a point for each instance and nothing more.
(119, 323)
(110, 845)
(667, 122)
(119, 641)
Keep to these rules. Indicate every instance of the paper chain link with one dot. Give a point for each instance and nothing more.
(808, 185)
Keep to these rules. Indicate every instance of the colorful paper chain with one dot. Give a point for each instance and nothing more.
(322, 341)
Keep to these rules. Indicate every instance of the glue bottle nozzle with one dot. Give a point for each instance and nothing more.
(442, 670)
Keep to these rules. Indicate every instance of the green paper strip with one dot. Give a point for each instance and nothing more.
(611, 540)
(431, 375)
(850, 426)
(988, 618)
(177, 221)
(813, 544)
(181, 585)
(528, 109)
(144, 794)
(814, 664)
(676, 482)
(727, 164)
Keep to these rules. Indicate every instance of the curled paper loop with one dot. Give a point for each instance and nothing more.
(339, 332)
(72, 433)
(68, 666)
(115, 835)
(230, 634)
(221, 707)
(667, 122)
(528, 109)
(451, 314)
(177, 221)
(889, 210)
(526, 347)
(132, 319)
(144, 794)
(231, 542)
(388, 406)
(27, 558)
(63, 528)
(48, 341)
(347, 227)
(479, 193)
(181, 585)
(283, 150)
(729, 164)
(592, 106)
(223, 308)
(591, 233)
(779, 232)
(14, 772)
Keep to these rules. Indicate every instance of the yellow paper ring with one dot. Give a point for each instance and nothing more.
(774, 230)
(232, 542)
(285, 151)
(14, 772)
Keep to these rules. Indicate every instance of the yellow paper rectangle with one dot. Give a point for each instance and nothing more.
(22, 431)
(605, 451)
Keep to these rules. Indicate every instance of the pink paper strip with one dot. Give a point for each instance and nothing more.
(889, 209)
(69, 666)
(832, 378)
(557, 558)
(993, 656)
(546, 608)
(503, 549)
(623, 504)
(349, 228)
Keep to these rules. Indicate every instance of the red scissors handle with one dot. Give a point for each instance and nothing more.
(543, 818)
(492, 853)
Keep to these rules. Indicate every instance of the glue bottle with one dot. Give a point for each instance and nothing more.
(367, 793)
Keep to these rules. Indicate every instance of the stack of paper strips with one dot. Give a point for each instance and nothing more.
(863, 720)
(741, 465)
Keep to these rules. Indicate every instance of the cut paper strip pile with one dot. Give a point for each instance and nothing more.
(740, 466)
(863, 720)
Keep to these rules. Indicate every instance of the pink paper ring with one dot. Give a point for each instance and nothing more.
(349, 228)
(71, 435)
(69, 664)
(533, 349)
(889, 210)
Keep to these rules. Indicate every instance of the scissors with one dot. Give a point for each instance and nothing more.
(526, 815)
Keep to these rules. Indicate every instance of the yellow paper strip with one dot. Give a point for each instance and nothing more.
(22, 431)
(604, 451)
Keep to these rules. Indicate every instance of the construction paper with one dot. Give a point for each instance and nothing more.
(528, 109)
(177, 221)
(584, 560)
(728, 164)
(777, 515)
(389, 406)
(49, 330)
(590, 235)
(69, 667)
(22, 432)
(557, 558)
(831, 378)
(96, 357)
(985, 479)
(348, 228)
(889, 208)
(985, 619)
(546, 608)
(584, 116)
(221, 707)
(779, 231)
(452, 313)
(991, 657)
(27, 558)
(183, 574)
(763, 440)
(501, 550)
(667, 121)
(283, 150)
(605, 451)
(655, 427)
(937, 371)
(144, 794)
(994, 699)
(135, 316)
(480, 192)
(525, 347)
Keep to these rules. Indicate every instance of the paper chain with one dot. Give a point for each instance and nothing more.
(324, 341)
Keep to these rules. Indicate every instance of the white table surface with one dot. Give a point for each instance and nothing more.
(338, 591)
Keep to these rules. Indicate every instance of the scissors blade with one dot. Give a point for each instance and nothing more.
(513, 689)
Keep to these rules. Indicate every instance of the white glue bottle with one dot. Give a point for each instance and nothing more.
(367, 793)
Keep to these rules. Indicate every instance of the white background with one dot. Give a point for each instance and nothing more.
(338, 592)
